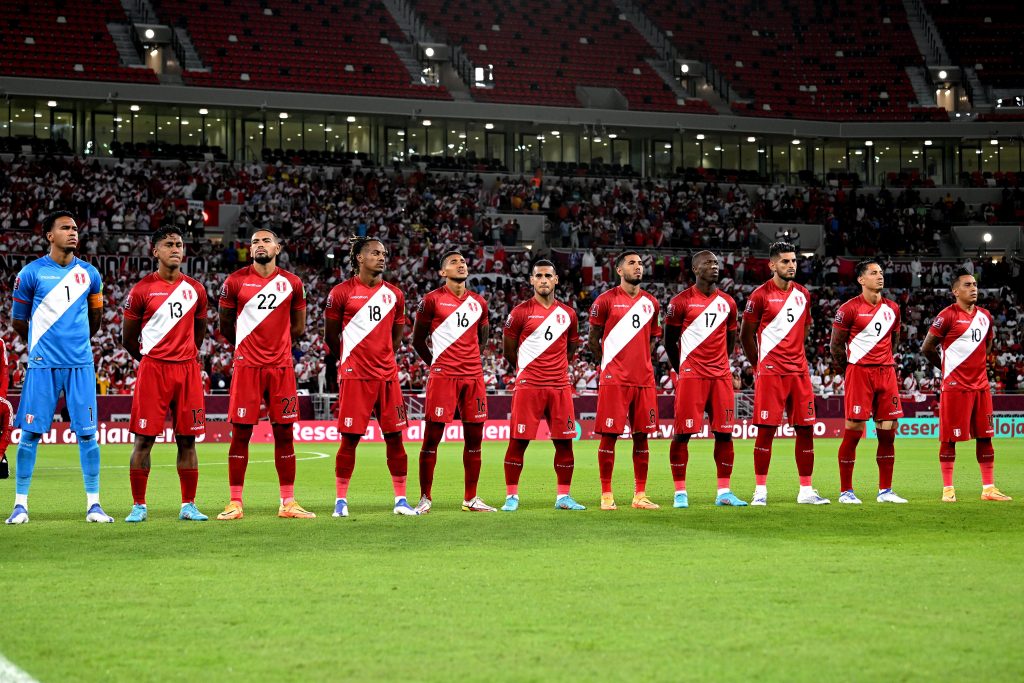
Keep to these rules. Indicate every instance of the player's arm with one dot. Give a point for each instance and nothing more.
(510, 349)
(594, 342)
(930, 350)
(21, 327)
(332, 335)
(420, 332)
(672, 335)
(298, 323)
(572, 343)
(483, 332)
(95, 301)
(131, 330)
(199, 330)
(571, 348)
(228, 318)
(748, 339)
(21, 305)
(837, 347)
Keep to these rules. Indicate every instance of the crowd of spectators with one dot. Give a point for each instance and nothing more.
(421, 215)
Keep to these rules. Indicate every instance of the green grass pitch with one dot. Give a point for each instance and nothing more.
(924, 591)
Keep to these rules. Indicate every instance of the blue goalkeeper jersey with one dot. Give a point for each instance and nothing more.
(55, 301)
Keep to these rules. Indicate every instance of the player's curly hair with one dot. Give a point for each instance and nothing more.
(356, 248)
(164, 231)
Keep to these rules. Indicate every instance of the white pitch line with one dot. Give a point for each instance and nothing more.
(317, 456)
(9, 673)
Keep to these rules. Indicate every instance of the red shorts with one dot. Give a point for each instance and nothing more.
(872, 391)
(774, 394)
(449, 398)
(530, 405)
(698, 395)
(965, 415)
(162, 387)
(272, 387)
(359, 399)
(618, 403)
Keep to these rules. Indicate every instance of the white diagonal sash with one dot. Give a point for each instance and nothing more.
(261, 305)
(779, 328)
(965, 345)
(366, 320)
(57, 301)
(625, 330)
(703, 327)
(865, 340)
(458, 322)
(176, 306)
(537, 343)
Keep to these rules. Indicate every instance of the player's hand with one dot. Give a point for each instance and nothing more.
(674, 376)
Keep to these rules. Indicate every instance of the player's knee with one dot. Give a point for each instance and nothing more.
(30, 438)
(681, 438)
(282, 433)
(87, 437)
(723, 437)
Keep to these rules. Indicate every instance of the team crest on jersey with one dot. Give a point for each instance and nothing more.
(799, 299)
(689, 424)
(81, 278)
(956, 433)
(439, 411)
(127, 302)
(142, 423)
(241, 412)
(281, 286)
(29, 418)
(348, 421)
(473, 306)
(386, 298)
(561, 319)
(723, 307)
(521, 428)
(856, 410)
(764, 414)
(188, 294)
(17, 283)
(648, 308)
(609, 422)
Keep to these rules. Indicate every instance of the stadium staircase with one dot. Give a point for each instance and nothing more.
(122, 35)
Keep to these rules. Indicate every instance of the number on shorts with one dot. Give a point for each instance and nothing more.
(729, 412)
(91, 419)
(198, 416)
(895, 401)
(402, 412)
(289, 405)
(481, 405)
(570, 426)
(654, 417)
(810, 408)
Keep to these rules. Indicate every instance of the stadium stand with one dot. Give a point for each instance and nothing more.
(802, 59)
(338, 48)
(985, 38)
(541, 50)
(64, 40)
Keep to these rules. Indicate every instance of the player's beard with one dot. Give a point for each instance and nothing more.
(632, 281)
(263, 260)
(783, 276)
(458, 279)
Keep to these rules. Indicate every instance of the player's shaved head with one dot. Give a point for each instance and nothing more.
(702, 256)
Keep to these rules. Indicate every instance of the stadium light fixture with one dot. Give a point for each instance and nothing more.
(154, 52)
(751, 139)
(700, 136)
(328, 129)
(184, 122)
(943, 75)
(350, 119)
(283, 115)
(135, 107)
(685, 68)
(150, 34)
(38, 115)
(987, 237)
(427, 123)
(993, 141)
(927, 143)
(429, 52)
(796, 141)
(204, 111)
(612, 136)
(869, 143)
(489, 126)
(51, 103)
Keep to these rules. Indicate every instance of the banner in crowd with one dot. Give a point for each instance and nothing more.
(109, 263)
(323, 431)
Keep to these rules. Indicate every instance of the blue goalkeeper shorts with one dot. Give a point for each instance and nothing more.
(43, 386)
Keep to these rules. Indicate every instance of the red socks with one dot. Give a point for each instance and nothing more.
(763, 454)
(678, 457)
(725, 454)
(804, 454)
(344, 464)
(474, 435)
(986, 461)
(606, 461)
(428, 456)
(847, 458)
(514, 464)
(189, 479)
(139, 480)
(947, 457)
(238, 459)
(284, 460)
(885, 457)
(641, 459)
(563, 465)
(398, 462)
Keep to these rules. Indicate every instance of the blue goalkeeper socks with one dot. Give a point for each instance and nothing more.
(26, 461)
(89, 455)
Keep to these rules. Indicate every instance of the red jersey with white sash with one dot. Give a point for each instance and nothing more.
(964, 340)
(168, 311)
(367, 314)
(454, 325)
(870, 327)
(263, 321)
(629, 323)
(782, 319)
(705, 323)
(544, 335)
